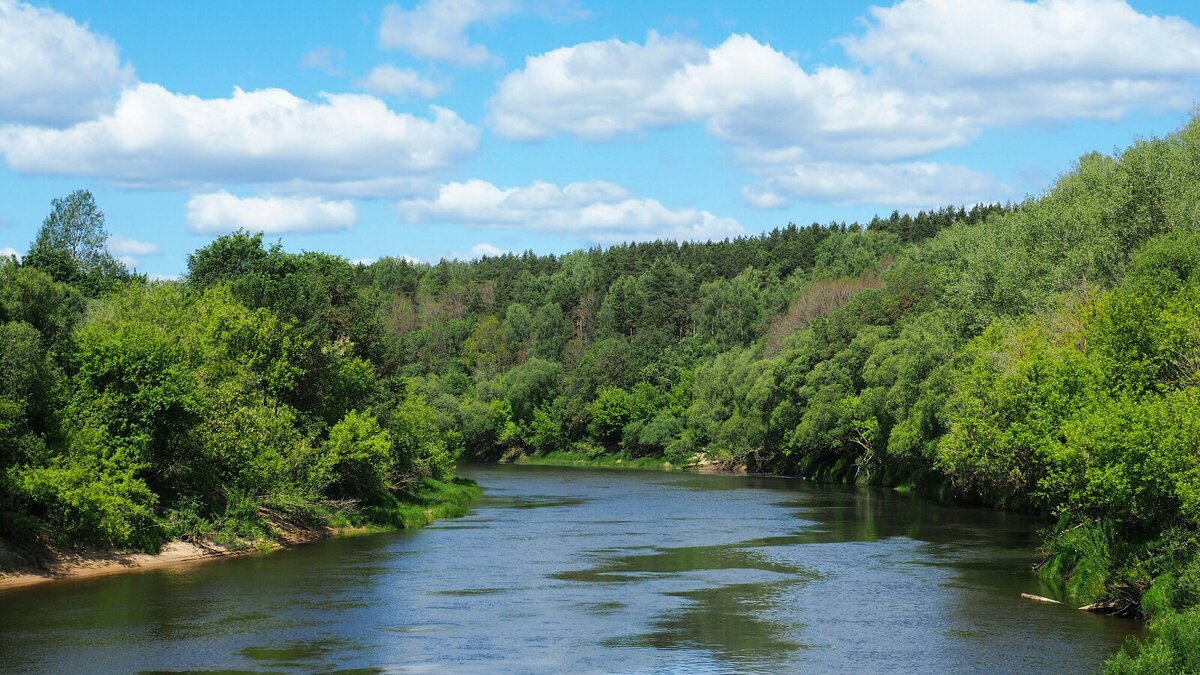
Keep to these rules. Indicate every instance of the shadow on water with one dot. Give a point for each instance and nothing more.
(621, 568)
(732, 622)
(527, 502)
(566, 570)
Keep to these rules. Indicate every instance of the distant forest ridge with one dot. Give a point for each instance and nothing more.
(1043, 356)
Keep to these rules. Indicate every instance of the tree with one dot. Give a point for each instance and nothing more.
(227, 258)
(70, 246)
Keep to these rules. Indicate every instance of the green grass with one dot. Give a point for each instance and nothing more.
(1173, 647)
(583, 459)
(430, 500)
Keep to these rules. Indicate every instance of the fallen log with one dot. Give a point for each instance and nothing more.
(1106, 607)
(1039, 598)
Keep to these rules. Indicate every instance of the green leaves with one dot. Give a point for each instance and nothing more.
(71, 246)
(359, 455)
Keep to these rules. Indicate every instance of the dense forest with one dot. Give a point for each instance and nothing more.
(230, 406)
(1041, 356)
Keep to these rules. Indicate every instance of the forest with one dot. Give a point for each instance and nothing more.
(1041, 357)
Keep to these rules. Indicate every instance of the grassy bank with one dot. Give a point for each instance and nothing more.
(429, 501)
(583, 459)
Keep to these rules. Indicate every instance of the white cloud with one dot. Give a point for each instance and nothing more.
(164, 277)
(594, 90)
(222, 212)
(925, 75)
(1010, 62)
(388, 79)
(119, 245)
(436, 29)
(596, 211)
(53, 70)
(745, 92)
(157, 138)
(966, 42)
(486, 250)
(326, 59)
(932, 74)
(893, 184)
(9, 252)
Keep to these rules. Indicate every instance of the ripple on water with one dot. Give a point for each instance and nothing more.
(470, 591)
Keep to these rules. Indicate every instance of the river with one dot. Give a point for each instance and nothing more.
(573, 570)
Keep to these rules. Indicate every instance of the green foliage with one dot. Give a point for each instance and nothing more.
(30, 296)
(27, 384)
(227, 259)
(1081, 556)
(529, 385)
(359, 455)
(1171, 648)
(425, 442)
(71, 246)
(1042, 356)
(84, 499)
(731, 312)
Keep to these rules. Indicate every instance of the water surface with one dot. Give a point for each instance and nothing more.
(571, 570)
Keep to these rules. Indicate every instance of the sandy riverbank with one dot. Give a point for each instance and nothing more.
(19, 568)
(87, 565)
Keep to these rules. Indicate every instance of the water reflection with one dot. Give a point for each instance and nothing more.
(737, 623)
(584, 571)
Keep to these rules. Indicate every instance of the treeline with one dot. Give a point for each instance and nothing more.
(243, 401)
(1042, 356)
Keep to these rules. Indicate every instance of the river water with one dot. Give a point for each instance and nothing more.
(573, 570)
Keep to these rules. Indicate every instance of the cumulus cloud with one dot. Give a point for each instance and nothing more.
(388, 79)
(486, 250)
(9, 252)
(925, 76)
(220, 212)
(125, 246)
(157, 138)
(597, 211)
(595, 90)
(745, 92)
(931, 75)
(1011, 62)
(128, 250)
(965, 42)
(436, 29)
(911, 184)
(53, 70)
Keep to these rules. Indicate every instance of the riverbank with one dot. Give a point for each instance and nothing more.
(437, 500)
(585, 460)
(699, 463)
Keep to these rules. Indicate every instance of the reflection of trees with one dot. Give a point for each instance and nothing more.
(733, 622)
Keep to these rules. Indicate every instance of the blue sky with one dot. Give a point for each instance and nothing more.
(453, 128)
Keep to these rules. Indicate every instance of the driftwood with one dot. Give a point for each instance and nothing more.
(1106, 607)
(1038, 598)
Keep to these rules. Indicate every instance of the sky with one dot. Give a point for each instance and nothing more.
(460, 128)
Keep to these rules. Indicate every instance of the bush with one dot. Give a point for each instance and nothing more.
(1172, 647)
(359, 454)
(86, 500)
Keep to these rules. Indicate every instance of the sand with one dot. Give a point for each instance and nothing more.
(64, 566)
